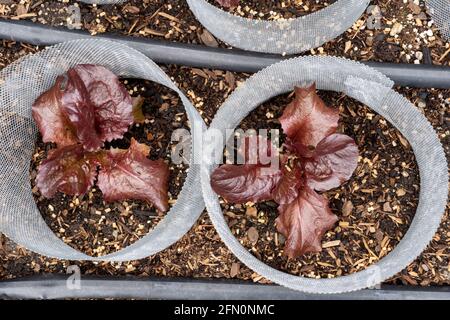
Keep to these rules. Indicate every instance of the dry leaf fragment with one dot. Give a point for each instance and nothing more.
(252, 235)
(138, 114)
(348, 46)
(235, 269)
(231, 80)
(21, 10)
(251, 212)
(347, 208)
(131, 9)
(387, 207)
(208, 39)
(331, 244)
(403, 141)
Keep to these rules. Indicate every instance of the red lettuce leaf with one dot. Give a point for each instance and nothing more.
(75, 104)
(334, 161)
(129, 174)
(228, 3)
(253, 181)
(304, 221)
(289, 185)
(87, 105)
(307, 120)
(51, 121)
(252, 147)
(111, 100)
(244, 183)
(67, 169)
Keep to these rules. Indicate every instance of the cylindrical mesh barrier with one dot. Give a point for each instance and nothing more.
(22, 82)
(285, 36)
(440, 12)
(373, 89)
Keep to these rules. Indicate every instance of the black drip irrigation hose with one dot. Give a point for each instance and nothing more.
(165, 52)
(91, 287)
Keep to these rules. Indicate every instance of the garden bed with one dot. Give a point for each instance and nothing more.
(385, 150)
(184, 258)
(172, 20)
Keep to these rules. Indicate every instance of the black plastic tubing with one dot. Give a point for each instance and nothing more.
(165, 52)
(56, 287)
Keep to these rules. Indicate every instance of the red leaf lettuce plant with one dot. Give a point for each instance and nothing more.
(228, 3)
(316, 159)
(86, 107)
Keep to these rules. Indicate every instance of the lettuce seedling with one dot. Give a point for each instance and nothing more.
(86, 107)
(316, 159)
(129, 174)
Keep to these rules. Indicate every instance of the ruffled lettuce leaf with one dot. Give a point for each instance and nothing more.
(255, 180)
(75, 105)
(111, 101)
(87, 105)
(333, 162)
(291, 180)
(52, 122)
(307, 120)
(304, 221)
(129, 174)
(244, 183)
(67, 169)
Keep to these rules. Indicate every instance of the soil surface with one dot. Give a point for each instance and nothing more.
(382, 195)
(275, 9)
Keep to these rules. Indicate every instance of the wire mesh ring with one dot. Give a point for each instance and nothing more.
(285, 36)
(22, 82)
(373, 89)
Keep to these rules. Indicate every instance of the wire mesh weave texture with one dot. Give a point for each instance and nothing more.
(440, 12)
(22, 82)
(373, 89)
(285, 36)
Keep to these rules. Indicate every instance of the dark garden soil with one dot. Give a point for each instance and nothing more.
(375, 207)
(275, 9)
